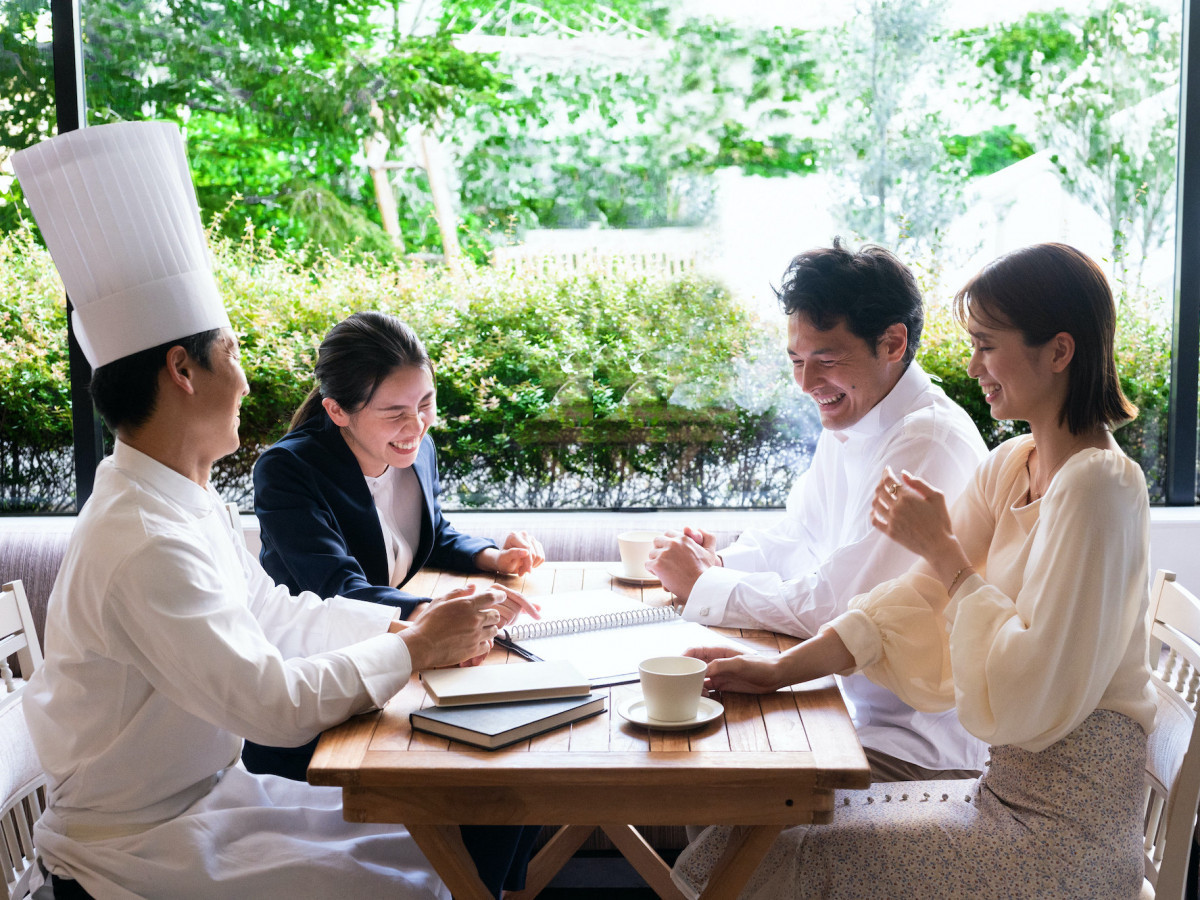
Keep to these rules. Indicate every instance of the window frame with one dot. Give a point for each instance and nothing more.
(1180, 477)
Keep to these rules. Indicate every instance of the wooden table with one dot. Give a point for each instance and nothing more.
(774, 760)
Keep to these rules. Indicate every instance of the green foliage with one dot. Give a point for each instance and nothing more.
(901, 186)
(623, 140)
(276, 98)
(552, 390)
(35, 409)
(522, 18)
(600, 388)
(988, 151)
(1019, 55)
(1103, 89)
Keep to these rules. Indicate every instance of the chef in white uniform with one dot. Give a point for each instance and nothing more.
(166, 643)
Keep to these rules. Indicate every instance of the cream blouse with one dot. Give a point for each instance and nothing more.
(1052, 625)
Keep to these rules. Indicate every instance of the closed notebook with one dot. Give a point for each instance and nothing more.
(505, 683)
(493, 725)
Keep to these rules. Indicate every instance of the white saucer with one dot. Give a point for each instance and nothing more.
(635, 711)
(620, 575)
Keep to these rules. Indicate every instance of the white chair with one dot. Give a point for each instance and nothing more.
(235, 520)
(1173, 760)
(22, 783)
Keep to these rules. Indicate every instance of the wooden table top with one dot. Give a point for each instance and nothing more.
(771, 758)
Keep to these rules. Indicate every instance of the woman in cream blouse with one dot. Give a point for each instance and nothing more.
(1027, 613)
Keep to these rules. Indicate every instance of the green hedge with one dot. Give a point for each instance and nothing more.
(607, 388)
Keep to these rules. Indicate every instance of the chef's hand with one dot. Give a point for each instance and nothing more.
(458, 627)
(513, 605)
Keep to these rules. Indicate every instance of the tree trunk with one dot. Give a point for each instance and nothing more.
(443, 207)
(375, 149)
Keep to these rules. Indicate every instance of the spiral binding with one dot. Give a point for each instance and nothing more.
(551, 627)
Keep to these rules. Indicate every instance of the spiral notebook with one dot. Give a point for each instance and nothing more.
(606, 634)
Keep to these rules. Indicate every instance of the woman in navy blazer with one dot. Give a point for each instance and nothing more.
(364, 424)
(320, 531)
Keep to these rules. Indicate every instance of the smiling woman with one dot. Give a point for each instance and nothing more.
(388, 429)
(347, 500)
(347, 505)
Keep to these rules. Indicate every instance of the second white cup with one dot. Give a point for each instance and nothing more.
(635, 547)
(671, 687)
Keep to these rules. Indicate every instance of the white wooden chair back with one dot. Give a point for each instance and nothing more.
(22, 783)
(1173, 759)
(18, 639)
(235, 519)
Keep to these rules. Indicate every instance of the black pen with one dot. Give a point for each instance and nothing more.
(516, 648)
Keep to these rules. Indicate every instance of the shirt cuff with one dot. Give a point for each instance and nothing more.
(748, 559)
(710, 595)
(860, 635)
(384, 664)
(353, 620)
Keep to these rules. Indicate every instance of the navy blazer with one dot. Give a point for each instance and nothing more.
(320, 531)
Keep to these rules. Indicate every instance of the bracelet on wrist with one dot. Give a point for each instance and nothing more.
(954, 580)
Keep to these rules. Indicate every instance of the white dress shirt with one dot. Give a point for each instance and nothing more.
(799, 575)
(1051, 626)
(399, 503)
(166, 644)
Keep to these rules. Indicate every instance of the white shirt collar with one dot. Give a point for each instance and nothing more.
(884, 414)
(166, 481)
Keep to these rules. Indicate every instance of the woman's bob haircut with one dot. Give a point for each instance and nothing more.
(1041, 291)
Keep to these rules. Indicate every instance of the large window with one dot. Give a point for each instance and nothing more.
(582, 207)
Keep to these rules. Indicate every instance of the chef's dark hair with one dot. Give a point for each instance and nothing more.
(125, 390)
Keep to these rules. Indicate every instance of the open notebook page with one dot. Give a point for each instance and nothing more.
(611, 655)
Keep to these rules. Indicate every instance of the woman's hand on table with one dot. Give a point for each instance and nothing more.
(749, 673)
(730, 670)
(520, 555)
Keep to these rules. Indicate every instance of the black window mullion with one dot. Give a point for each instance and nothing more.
(70, 104)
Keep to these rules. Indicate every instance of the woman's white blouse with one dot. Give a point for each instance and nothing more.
(1052, 625)
(399, 504)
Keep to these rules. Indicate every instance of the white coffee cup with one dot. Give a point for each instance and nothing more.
(671, 687)
(635, 547)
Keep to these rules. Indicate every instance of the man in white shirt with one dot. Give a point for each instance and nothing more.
(166, 642)
(854, 323)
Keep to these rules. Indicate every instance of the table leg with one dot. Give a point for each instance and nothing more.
(550, 859)
(444, 848)
(644, 859)
(747, 846)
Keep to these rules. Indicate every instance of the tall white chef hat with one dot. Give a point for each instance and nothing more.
(117, 208)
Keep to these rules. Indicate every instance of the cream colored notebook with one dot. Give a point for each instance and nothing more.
(505, 683)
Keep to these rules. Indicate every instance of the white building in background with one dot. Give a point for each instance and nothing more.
(758, 224)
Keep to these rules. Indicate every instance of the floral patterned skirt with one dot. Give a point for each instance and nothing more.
(1063, 822)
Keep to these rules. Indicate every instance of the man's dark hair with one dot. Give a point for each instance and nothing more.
(870, 290)
(126, 389)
